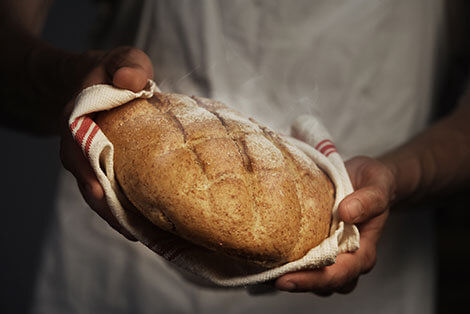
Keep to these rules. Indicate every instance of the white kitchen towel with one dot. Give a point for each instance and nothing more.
(207, 265)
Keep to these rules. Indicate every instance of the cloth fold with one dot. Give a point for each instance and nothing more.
(211, 267)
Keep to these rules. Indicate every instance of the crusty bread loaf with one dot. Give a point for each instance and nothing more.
(202, 171)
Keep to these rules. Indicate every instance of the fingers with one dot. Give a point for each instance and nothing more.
(340, 277)
(75, 162)
(90, 191)
(128, 68)
(326, 279)
(368, 206)
(363, 205)
(125, 67)
(365, 171)
(347, 288)
(133, 79)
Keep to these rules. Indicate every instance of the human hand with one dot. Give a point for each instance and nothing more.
(368, 208)
(126, 68)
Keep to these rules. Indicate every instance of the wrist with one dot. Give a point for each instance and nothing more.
(76, 67)
(37, 80)
(56, 75)
(54, 78)
(395, 195)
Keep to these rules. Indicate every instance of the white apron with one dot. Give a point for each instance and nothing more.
(364, 67)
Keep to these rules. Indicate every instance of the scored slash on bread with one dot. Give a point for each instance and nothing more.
(200, 170)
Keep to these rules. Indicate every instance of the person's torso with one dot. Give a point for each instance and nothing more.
(364, 67)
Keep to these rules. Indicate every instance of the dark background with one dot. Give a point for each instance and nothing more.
(29, 168)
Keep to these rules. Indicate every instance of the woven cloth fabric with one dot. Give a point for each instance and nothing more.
(209, 266)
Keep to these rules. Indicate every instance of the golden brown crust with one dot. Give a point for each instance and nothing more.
(198, 169)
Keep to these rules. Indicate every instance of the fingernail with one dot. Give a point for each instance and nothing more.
(288, 286)
(355, 210)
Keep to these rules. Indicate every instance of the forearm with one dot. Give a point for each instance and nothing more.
(435, 162)
(36, 79)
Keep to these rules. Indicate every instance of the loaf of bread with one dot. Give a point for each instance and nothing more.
(200, 170)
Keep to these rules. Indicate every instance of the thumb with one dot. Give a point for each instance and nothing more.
(124, 67)
(128, 68)
(363, 205)
(375, 185)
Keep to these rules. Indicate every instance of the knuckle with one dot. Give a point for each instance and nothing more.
(370, 167)
(388, 174)
(390, 179)
(137, 52)
(379, 199)
(127, 56)
(334, 282)
(122, 54)
(304, 284)
(121, 51)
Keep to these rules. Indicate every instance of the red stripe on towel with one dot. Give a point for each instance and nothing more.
(330, 152)
(321, 143)
(82, 131)
(75, 123)
(90, 138)
(327, 147)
